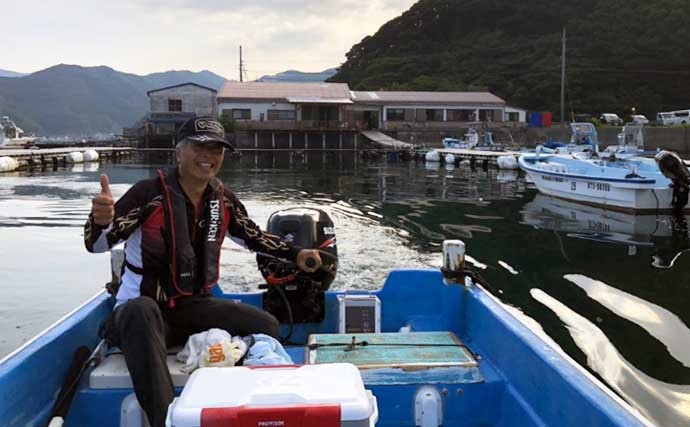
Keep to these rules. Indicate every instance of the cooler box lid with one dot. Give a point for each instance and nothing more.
(283, 396)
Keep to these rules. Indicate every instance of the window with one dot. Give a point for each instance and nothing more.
(281, 114)
(434, 115)
(174, 104)
(395, 114)
(241, 114)
(460, 115)
(486, 115)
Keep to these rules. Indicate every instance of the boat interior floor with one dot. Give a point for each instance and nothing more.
(394, 366)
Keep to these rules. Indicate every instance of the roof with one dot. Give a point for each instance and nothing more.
(312, 100)
(284, 91)
(386, 97)
(180, 85)
(510, 107)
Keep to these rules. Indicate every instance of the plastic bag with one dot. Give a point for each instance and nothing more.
(214, 347)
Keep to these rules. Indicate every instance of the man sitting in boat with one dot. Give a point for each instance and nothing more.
(174, 227)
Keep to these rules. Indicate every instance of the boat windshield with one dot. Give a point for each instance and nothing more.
(584, 133)
(632, 134)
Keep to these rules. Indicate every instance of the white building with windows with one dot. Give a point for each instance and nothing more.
(258, 105)
(310, 104)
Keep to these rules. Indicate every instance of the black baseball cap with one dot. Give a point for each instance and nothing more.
(204, 129)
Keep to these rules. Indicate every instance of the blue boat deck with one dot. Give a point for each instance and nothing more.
(489, 369)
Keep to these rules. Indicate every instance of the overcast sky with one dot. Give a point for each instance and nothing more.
(145, 36)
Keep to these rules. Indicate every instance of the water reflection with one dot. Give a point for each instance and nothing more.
(666, 404)
(507, 175)
(663, 325)
(666, 233)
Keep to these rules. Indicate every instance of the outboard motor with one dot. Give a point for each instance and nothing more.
(674, 169)
(294, 296)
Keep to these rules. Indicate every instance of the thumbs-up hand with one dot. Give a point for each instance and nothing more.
(103, 205)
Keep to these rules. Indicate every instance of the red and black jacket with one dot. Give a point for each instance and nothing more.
(172, 250)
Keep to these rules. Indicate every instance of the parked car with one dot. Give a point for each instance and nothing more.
(681, 117)
(611, 119)
(639, 119)
(665, 119)
(678, 117)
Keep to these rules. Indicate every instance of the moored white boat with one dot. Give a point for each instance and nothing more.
(633, 185)
(12, 136)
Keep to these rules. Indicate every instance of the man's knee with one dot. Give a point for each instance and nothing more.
(139, 312)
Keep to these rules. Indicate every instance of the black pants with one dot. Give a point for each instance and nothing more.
(143, 330)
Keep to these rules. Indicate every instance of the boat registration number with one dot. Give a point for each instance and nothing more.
(598, 186)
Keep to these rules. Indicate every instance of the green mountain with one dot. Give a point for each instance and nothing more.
(620, 53)
(73, 100)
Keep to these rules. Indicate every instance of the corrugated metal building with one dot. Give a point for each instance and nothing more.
(173, 105)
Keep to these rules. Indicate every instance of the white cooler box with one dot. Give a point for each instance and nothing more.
(326, 395)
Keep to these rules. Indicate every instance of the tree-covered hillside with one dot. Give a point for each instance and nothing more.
(621, 53)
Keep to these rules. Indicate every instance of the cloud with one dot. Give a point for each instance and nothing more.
(143, 36)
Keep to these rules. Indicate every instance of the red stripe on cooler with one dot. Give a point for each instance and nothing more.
(286, 416)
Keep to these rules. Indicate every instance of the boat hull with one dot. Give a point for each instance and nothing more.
(637, 196)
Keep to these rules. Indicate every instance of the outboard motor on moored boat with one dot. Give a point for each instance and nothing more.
(294, 295)
(674, 169)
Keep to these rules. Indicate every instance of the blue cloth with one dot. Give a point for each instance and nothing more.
(266, 351)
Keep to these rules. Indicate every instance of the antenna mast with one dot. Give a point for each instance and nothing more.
(563, 81)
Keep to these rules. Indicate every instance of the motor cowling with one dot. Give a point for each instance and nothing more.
(673, 168)
(307, 228)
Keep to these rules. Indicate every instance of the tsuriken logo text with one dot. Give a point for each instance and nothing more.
(276, 423)
(213, 221)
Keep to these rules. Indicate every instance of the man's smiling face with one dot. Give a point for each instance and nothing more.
(200, 161)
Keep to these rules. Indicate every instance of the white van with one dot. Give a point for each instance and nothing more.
(665, 119)
(681, 117)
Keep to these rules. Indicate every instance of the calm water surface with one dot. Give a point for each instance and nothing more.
(612, 290)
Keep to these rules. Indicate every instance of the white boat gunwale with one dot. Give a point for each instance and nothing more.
(632, 180)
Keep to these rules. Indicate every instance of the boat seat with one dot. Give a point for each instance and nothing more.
(112, 373)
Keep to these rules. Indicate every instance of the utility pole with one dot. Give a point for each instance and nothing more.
(241, 65)
(563, 81)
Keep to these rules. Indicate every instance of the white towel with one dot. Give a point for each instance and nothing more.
(266, 351)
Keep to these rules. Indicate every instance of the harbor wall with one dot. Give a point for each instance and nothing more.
(667, 138)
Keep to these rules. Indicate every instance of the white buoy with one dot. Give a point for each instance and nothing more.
(465, 162)
(8, 164)
(90, 155)
(450, 159)
(432, 156)
(507, 162)
(75, 157)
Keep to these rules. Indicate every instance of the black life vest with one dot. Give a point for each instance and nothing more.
(184, 271)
